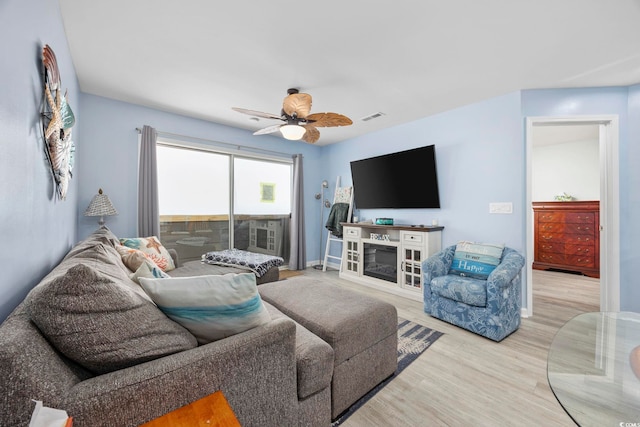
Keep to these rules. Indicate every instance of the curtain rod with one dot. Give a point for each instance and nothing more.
(229, 145)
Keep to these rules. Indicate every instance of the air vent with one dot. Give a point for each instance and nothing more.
(372, 116)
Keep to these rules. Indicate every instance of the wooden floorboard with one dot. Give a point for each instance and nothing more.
(464, 379)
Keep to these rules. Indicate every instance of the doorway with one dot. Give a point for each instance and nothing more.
(605, 130)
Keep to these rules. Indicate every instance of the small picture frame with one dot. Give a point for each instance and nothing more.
(267, 192)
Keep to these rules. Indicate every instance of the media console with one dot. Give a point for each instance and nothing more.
(388, 257)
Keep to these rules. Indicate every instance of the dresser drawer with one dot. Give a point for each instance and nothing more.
(551, 247)
(580, 229)
(579, 239)
(580, 260)
(551, 238)
(551, 217)
(551, 258)
(580, 217)
(551, 227)
(580, 250)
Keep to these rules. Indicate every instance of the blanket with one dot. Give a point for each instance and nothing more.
(338, 214)
(258, 263)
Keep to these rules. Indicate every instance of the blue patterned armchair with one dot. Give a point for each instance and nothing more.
(489, 307)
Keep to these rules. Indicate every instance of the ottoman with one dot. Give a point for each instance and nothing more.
(362, 331)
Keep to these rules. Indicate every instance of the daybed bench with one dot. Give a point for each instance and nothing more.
(109, 357)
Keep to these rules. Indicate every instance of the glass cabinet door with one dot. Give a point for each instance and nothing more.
(412, 266)
(352, 256)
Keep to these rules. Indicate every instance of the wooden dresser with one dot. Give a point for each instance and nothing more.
(567, 236)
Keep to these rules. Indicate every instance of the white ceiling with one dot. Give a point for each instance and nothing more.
(407, 59)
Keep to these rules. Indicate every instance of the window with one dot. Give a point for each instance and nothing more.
(198, 213)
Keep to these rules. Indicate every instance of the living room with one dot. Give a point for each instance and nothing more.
(481, 153)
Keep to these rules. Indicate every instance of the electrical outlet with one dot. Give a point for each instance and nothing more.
(501, 208)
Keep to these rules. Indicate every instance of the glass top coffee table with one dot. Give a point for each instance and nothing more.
(593, 368)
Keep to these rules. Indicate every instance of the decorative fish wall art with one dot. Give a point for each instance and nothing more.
(57, 123)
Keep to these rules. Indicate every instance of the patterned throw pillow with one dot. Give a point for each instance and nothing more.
(153, 249)
(210, 307)
(138, 262)
(476, 260)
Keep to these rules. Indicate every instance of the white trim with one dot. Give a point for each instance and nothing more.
(609, 205)
(223, 148)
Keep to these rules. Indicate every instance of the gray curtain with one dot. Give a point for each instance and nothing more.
(148, 210)
(298, 254)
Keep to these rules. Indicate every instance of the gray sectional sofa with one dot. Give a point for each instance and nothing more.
(88, 340)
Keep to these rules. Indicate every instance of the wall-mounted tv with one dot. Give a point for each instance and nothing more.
(402, 180)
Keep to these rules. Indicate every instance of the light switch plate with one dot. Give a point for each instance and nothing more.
(501, 207)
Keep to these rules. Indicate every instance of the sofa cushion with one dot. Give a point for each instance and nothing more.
(314, 358)
(101, 325)
(462, 289)
(153, 249)
(211, 307)
(476, 260)
(101, 236)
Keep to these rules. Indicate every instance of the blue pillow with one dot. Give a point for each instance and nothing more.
(210, 307)
(476, 260)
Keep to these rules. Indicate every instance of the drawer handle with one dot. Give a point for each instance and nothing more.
(547, 246)
(549, 227)
(585, 228)
(547, 237)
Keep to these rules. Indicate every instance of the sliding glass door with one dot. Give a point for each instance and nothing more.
(211, 201)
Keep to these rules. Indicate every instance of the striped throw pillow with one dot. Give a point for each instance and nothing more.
(476, 260)
(210, 307)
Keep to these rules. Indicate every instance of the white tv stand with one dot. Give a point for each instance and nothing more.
(370, 261)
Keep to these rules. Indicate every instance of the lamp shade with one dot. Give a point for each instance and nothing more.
(100, 206)
(292, 132)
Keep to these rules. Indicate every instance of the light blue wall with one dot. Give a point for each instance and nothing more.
(111, 163)
(622, 102)
(37, 230)
(480, 159)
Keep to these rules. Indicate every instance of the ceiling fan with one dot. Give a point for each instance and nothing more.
(299, 124)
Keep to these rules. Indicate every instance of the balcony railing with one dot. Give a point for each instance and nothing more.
(194, 235)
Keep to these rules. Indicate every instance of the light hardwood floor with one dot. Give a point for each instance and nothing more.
(466, 380)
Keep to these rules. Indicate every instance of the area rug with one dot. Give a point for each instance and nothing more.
(413, 340)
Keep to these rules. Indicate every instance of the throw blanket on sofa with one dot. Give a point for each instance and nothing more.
(258, 263)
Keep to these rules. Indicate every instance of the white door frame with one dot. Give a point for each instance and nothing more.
(609, 205)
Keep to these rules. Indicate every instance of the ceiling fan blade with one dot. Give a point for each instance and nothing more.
(329, 119)
(270, 129)
(298, 103)
(256, 113)
(311, 135)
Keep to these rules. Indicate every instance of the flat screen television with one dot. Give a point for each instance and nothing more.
(402, 180)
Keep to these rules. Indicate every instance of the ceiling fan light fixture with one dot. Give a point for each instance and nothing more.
(292, 132)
